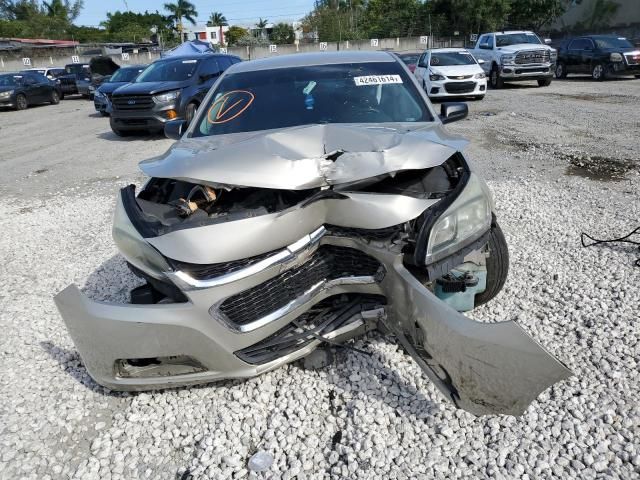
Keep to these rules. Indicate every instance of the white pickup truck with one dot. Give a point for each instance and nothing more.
(514, 56)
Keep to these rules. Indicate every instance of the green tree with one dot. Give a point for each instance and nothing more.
(127, 26)
(217, 19)
(393, 18)
(283, 34)
(599, 14)
(235, 33)
(63, 9)
(469, 16)
(535, 14)
(261, 25)
(179, 10)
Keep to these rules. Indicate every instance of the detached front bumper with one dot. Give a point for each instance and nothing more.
(231, 323)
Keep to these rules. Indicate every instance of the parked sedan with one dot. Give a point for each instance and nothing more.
(312, 198)
(19, 90)
(451, 72)
(102, 96)
(600, 56)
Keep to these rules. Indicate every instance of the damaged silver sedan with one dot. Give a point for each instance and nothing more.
(313, 198)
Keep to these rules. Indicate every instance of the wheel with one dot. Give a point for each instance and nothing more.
(62, 96)
(598, 72)
(561, 70)
(103, 113)
(189, 112)
(54, 99)
(494, 78)
(544, 82)
(497, 265)
(120, 133)
(21, 102)
(638, 77)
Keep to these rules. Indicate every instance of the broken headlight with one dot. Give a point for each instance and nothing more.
(466, 219)
(133, 247)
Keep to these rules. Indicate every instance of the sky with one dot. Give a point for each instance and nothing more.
(238, 12)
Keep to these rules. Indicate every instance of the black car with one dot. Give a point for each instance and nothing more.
(19, 90)
(124, 75)
(601, 56)
(168, 89)
(74, 73)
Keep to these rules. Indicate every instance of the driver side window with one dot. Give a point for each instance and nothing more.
(210, 68)
(486, 42)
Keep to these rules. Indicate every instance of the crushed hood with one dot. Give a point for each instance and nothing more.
(304, 157)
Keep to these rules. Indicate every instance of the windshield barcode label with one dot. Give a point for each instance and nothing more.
(377, 80)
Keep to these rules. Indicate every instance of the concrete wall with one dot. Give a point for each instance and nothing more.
(12, 64)
(409, 44)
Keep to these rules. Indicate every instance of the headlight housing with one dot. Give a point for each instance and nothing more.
(167, 96)
(6, 94)
(466, 219)
(615, 57)
(435, 76)
(480, 75)
(504, 59)
(99, 94)
(553, 54)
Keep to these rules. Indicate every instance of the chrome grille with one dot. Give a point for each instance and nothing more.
(132, 102)
(533, 56)
(329, 262)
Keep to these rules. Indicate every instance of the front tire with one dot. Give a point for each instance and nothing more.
(54, 99)
(561, 70)
(544, 82)
(494, 78)
(497, 265)
(598, 72)
(190, 112)
(21, 102)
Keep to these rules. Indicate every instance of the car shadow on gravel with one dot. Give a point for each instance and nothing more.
(143, 136)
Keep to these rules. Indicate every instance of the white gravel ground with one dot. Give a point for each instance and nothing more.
(361, 417)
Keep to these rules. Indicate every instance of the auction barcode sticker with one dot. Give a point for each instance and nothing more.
(377, 80)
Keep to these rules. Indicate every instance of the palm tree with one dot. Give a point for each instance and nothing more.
(262, 23)
(217, 19)
(179, 10)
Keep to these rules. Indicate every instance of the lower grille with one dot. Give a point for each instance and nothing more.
(323, 318)
(132, 102)
(633, 59)
(460, 87)
(533, 56)
(329, 262)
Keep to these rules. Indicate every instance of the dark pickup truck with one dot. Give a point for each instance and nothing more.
(600, 56)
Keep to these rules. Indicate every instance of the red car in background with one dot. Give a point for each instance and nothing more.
(410, 59)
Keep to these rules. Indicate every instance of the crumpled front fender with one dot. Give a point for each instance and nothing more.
(484, 368)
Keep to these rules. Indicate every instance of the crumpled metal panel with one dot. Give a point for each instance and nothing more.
(304, 157)
(220, 242)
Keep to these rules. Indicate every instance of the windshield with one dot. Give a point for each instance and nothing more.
(613, 42)
(516, 38)
(444, 59)
(174, 70)
(409, 59)
(345, 93)
(8, 81)
(125, 74)
(77, 68)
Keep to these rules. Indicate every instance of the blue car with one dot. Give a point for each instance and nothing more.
(122, 76)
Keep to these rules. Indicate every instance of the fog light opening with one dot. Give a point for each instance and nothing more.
(157, 366)
(171, 114)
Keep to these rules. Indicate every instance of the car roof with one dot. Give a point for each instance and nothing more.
(516, 31)
(195, 56)
(313, 59)
(141, 65)
(449, 49)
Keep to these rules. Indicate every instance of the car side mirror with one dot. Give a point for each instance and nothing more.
(480, 61)
(547, 41)
(174, 129)
(453, 111)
